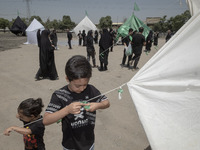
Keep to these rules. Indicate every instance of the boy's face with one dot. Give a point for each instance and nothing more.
(78, 85)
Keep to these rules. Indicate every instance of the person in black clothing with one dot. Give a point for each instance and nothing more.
(96, 35)
(126, 42)
(80, 38)
(33, 131)
(47, 63)
(137, 43)
(149, 41)
(54, 38)
(69, 36)
(90, 48)
(84, 35)
(112, 34)
(155, 38)
(38, 75)
(104, 44)
(169, 35)
(76, 104)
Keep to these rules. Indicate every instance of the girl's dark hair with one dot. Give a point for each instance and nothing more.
(78, 67)
(31, 107)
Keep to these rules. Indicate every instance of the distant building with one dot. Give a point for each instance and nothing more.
(116, 25)
(150, 21)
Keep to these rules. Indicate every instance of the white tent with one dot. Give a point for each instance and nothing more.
(31, 31)
(86, 24)
(166, 91)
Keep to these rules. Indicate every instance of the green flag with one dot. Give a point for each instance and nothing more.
(86, 13)
(136, 8)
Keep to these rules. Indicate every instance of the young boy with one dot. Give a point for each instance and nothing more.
(68, 104)
(29, 113)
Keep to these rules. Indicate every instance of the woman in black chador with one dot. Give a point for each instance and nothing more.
(104, 43)
(149, 41)
(83, 36)
(47, 64)
(90, 48)
(96, 35)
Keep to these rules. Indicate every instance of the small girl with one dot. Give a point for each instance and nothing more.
(29, 113)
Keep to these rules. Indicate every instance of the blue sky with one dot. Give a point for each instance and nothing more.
(117, 9)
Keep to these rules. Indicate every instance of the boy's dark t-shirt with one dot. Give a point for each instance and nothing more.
(34, 141)
(78, 130)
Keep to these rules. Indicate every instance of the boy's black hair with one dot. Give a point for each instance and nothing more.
(141, 29)
(78, 67)
(31, 107)
(130, 30)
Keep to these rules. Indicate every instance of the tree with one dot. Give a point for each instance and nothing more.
(55, 24)
(48, 24)
(105, 22)
(4, 23)
(174, 23)
(67, 23)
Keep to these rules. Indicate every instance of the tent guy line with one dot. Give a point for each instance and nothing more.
(117, 88)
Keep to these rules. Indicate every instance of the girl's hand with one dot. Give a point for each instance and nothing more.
(7, 131)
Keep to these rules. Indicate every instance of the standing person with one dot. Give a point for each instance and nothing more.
(126, 42)
(137, 43)
(68, 104)
(149, 41)
(169, 35)
(104, 43)
(52, 71)
(96, 35)
(83, 35)
(155, 38)
(43, 56)
(47, 64)
(69, 36)
(80, 38)
(90, 48)
(54, 38)
(112, 34)
(33, 131)
(38, 75)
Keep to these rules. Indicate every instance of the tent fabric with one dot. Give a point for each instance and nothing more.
(134, 23)
(31, 31)
(86, 24)
(193, 6)
(166, 91)
(18, 27)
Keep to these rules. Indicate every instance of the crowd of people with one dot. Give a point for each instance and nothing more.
(106, 39)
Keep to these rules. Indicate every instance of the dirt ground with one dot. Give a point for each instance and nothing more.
(117, 127)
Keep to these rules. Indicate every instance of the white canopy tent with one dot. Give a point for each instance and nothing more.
(31, 31)
(86, 24)
(166, 91)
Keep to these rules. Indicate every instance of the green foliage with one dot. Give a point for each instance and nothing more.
(174, 23)
(67, 23)
(105, 22)
(4, 23)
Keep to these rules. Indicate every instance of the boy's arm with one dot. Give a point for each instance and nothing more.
(101, 105)
(20, 130)
(73, 108)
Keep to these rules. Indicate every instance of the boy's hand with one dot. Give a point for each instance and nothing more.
(7, 131)
(74, 108)
(92, 107)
